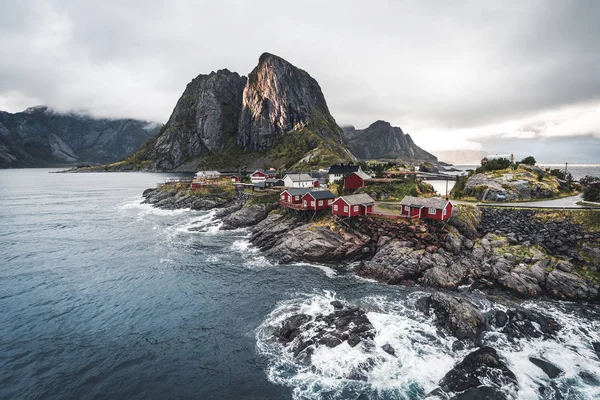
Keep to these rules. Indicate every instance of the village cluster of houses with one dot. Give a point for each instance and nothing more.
(306, 199)
(307, 192)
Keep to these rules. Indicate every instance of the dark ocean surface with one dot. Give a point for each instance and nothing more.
(104, 298)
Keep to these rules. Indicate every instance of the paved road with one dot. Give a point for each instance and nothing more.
(565, 202)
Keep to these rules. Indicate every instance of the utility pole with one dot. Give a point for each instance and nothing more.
(446, 189)
(566, 164)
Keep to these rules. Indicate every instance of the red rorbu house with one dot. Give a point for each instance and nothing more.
(355, 180)
(318, 200)
(235, 178)
(432, 208)
(292, 198)
(353, 205)
(260, 175)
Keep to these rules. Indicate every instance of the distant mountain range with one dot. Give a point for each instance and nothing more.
(275, 117)
(382, 140)
(41, 137)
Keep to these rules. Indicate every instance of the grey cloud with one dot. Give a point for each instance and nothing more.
(446, 64)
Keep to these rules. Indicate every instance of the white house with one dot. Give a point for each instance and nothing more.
(339, 171)
(208, 174)
(300, 181)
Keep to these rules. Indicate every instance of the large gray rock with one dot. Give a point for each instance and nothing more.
(247, 216)
(482, 374)
(40, 136)
(455, 314)
(382, 140)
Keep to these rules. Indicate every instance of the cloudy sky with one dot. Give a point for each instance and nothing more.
(469, 74)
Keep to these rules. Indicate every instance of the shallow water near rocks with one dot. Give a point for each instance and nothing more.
(102, 297)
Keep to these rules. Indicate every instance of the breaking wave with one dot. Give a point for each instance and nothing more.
(423, 354)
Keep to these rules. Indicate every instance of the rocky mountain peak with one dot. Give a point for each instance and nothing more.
(276, 116)
(382, 140)
(279, 98)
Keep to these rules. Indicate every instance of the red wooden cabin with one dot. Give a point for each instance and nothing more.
(353, 205)
(432, 208)
(292, 196)
(355, 180)
(260, 175)
(318, 200)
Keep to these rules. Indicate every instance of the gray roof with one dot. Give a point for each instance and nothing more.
(300, 177)
(431, 202)
(358, 199)
(343, 169)
(298, 191)
(321, 194)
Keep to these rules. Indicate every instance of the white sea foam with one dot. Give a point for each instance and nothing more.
(329, 272)
(423, 357)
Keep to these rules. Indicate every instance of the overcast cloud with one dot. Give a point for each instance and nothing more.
(453, 74)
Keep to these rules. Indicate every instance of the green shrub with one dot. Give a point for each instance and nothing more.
(592, 192)
(494, 164)
(528, 160)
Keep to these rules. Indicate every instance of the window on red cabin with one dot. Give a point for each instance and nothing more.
(320, 202)
(312, 203)
(406, 208)
(297, 197)
(432, 211)
(283, 197)
(335, 208)
(345, 208)
(329, 201)
(355, 208)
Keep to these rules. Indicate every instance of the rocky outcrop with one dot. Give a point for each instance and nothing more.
(382, 140)
(39, 137)
(454, 314)
(524, 183)
(278, 116)
(482, 374)
(175, 198)
(287, 239)
(247, 216)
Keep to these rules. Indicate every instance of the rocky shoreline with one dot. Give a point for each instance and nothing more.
(521, 253)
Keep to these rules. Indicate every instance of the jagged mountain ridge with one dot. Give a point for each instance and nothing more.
(276, 116)
(41, 137)
(382, 140)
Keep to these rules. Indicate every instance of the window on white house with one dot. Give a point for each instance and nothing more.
(335, 208)
(345, 208)
(355, 208)
(432, 210)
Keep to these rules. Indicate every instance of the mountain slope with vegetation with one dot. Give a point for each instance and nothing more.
(41, 137)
